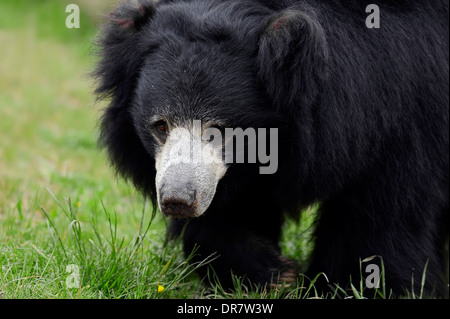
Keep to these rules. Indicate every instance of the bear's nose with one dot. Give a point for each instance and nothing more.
(175, 207)
(178, 201)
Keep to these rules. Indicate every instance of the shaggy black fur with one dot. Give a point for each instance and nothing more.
(363, 122)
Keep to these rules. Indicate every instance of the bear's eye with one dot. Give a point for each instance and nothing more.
(161, 128)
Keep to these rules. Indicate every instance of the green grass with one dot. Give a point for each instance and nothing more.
(61, 205)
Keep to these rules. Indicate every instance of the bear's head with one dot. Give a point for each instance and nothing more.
(181, 74)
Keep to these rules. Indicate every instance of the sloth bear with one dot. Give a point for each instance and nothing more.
(361, 117)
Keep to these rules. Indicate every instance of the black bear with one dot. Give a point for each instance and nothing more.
(362, 127)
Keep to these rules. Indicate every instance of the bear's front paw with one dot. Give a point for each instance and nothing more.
(287, 274)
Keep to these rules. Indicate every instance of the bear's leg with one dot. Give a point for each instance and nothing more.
(241, 249)
(404, 225)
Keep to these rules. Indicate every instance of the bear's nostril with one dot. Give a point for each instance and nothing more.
(177, 208)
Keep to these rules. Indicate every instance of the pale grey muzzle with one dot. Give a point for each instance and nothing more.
(188, 171)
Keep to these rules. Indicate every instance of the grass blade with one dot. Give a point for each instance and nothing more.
(49, 218)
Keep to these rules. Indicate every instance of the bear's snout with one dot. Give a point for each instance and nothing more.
(186, 177)
(174, 207)
(178, 200)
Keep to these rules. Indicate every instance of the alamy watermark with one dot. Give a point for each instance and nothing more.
(73, 19)
(372, 272)
(73, 280)
(373, 277)
(373, 19)
(228, 145)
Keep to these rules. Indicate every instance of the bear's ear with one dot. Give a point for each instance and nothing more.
(120, 50)
(132, 15)
(292, 58)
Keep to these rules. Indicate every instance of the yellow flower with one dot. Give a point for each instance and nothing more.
(78, 204)
(160, 289)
